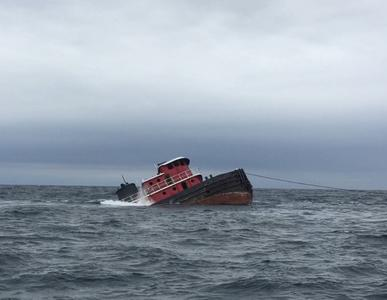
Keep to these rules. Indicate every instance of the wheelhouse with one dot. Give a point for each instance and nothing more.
(173, 176)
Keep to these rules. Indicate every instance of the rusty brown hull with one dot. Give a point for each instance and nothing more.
(232, 188)
(233, 198)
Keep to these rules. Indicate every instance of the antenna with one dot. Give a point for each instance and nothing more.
(123, 178)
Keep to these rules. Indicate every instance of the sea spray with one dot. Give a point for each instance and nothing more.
(142, 200)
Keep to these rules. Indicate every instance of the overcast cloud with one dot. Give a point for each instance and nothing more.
(93, 89)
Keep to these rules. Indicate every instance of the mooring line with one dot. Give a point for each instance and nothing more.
(298, 182)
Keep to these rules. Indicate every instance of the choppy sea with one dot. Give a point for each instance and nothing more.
(74, 243)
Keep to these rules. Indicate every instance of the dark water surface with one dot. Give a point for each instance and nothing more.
(60, 243)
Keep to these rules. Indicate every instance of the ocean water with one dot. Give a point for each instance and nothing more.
(62, 243)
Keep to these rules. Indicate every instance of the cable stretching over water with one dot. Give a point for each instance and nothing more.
(298, 182)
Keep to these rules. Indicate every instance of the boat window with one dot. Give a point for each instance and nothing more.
(164, 193)
(158, 179)
(176, 164)
(150, 182)
(168, 179)
(174, 188)
(170, 166)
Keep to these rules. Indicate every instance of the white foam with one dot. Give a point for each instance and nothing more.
(138, 202)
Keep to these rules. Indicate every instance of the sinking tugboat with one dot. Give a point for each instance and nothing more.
(175, 183)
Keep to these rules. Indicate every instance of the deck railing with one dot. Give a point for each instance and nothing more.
(167, 182)
(131, 198)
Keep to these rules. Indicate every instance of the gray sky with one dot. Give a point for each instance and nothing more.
(90, 90)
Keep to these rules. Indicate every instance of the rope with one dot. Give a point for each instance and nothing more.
(298, 182)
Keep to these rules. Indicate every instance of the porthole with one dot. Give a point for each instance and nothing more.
(174, 188)
(158, 179)
(150, 182)
(164, 193)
